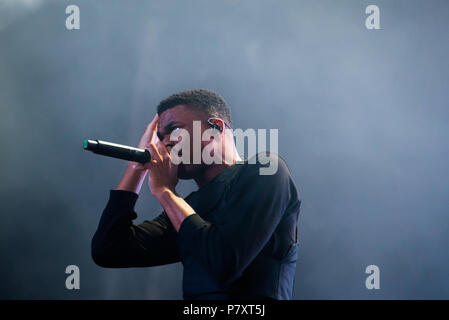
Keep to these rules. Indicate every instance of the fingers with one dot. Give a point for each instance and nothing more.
(154, 137)
(162, 149)
(154, 152)
(152, 128)
(159, 154)
(153, 122)
(149, 133)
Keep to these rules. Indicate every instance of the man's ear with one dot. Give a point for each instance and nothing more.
(216, 123)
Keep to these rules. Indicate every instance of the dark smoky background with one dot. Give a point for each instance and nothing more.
(362, 118)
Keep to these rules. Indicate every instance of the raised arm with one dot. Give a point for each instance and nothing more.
(118, 243)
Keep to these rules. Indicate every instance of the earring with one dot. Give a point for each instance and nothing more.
(214, 125)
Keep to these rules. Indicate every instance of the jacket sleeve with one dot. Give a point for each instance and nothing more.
(252, 212)
(118, 243)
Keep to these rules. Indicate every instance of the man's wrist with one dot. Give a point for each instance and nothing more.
(132, 180)
(164, 194)
(177, 208)
(134, 169)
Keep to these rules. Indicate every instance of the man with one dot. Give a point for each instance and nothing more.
(236, 235)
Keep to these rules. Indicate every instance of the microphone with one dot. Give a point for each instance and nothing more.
(118, 151)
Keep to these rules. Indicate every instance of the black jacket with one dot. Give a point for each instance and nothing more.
(241, 243)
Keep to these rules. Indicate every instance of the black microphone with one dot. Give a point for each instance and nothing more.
(115, 150)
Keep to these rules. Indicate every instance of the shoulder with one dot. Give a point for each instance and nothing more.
(266, 177)
(264, 168)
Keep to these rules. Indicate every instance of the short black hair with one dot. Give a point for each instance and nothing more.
(207, 101)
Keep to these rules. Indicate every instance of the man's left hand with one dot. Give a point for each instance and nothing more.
(162, 173)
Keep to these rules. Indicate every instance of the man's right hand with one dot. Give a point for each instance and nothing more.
(135, 172)
(148, 136)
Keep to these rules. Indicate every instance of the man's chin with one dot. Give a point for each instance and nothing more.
(189, 171)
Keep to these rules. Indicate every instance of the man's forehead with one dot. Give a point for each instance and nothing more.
(179, 114)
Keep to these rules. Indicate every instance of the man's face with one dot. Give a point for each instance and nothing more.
(182, 117)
